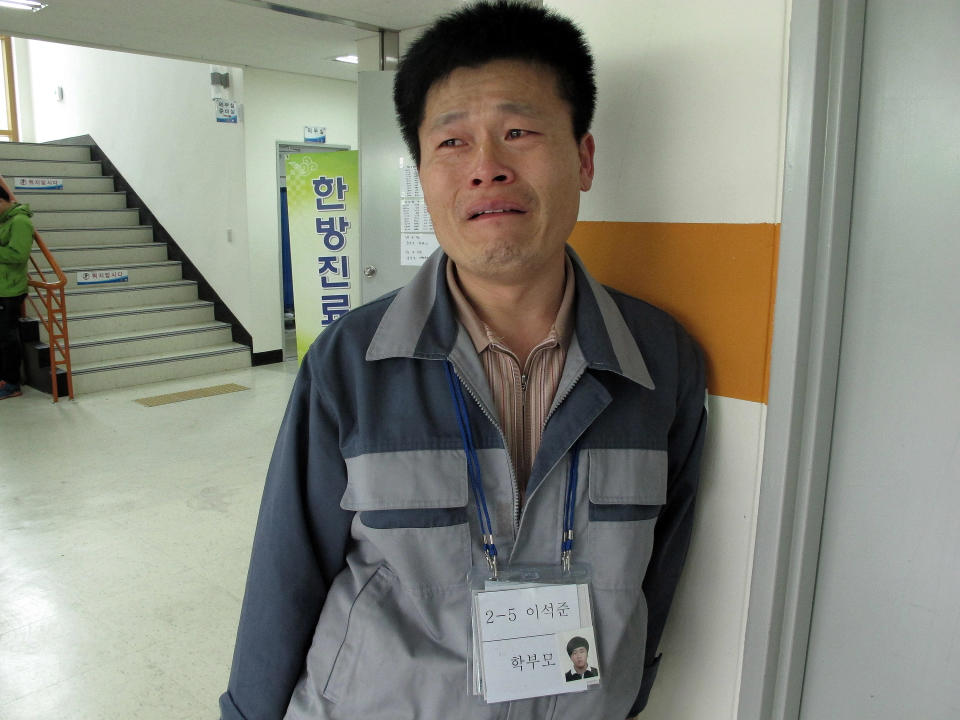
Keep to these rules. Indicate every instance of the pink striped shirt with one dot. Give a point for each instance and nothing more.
(523, 395)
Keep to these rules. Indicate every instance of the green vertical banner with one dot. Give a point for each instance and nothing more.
(323, 209)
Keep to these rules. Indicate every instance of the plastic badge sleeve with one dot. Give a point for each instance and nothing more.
(523, 624)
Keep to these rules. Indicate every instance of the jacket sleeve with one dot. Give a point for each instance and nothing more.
(298, 549)
(675, 523)
(17, 251)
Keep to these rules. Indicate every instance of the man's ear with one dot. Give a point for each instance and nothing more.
(587, 147)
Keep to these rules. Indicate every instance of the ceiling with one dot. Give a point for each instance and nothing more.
(225, 32)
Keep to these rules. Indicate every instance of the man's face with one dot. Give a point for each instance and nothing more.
(579, 659)
(500, 169)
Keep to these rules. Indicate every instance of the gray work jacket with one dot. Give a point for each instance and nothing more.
(357, 604)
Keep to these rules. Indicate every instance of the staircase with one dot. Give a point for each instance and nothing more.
(149, 327)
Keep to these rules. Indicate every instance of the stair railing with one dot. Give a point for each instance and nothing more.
(52, 309)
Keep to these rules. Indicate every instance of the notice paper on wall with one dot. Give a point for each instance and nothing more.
(417, 237)
(314, 133)
(414, 216)
(226, 110)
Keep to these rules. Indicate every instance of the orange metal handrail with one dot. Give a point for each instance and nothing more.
(50, 293)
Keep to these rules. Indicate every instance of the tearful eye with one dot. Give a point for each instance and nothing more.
(516, 133)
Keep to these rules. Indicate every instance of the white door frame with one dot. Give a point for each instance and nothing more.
(823, 92)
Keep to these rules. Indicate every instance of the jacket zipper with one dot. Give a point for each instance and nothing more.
(503, 437)
(557, 403)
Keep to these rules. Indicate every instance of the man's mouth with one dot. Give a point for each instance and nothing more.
(496, 211)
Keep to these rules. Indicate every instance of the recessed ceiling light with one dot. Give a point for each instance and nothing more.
(352, 59)
(31, 5)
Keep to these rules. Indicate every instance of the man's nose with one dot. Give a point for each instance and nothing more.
(491, 166)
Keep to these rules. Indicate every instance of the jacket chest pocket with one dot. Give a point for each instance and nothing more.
(412, 515)
(627, 490)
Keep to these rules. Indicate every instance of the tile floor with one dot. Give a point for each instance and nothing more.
(125, 534)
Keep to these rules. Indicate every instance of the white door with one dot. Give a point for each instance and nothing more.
(885, 634)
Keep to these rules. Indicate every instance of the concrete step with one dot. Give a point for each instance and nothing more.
(115, 297)
(50, 168)
(139, 274)
(117, 321)
(143, 369)
(56, 200)
(115, 346)
(128, 235)
(43, 151)
(85, 219)
(70, 185)
(100, 256)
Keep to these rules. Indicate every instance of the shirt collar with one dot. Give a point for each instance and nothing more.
(482, 335)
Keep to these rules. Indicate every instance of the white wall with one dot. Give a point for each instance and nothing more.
(689, 129)
(689, 124)
(277, 106)
(154, 119)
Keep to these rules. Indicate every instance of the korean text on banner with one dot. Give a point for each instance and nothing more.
(323, 206)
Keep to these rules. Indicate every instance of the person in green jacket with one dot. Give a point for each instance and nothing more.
(16, 240)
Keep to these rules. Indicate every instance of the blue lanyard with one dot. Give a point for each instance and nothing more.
(569, 504)
(480, 498)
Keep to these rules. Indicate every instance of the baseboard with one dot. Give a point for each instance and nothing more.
(266, 358)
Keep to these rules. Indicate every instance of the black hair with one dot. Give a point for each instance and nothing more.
(4, 195)
(488, 31)
(577, 642)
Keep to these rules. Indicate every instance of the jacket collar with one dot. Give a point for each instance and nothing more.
(421, 323)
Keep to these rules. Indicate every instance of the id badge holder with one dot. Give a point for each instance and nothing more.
(532, 632)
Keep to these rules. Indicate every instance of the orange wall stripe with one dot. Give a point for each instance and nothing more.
(718, 279)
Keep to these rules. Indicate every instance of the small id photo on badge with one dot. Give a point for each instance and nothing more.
(578, 649)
